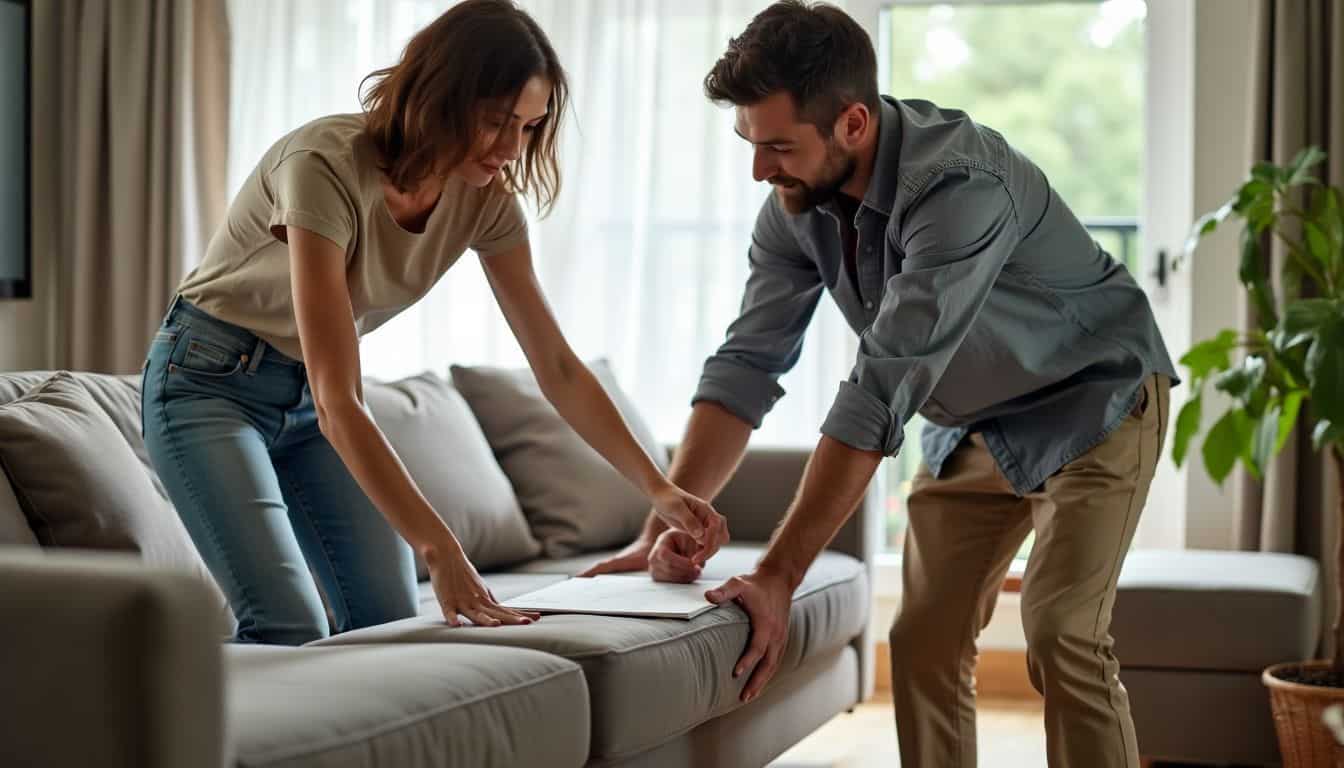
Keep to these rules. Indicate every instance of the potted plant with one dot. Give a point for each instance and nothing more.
(1289, 368)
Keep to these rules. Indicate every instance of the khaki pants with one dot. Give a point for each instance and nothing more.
(963, 532)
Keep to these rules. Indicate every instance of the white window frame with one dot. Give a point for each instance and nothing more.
(1169, 116)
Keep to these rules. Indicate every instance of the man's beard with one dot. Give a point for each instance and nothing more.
(798, 197)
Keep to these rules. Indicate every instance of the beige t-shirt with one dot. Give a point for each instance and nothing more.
(324, 177)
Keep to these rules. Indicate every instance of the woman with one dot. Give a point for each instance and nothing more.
(253, 411)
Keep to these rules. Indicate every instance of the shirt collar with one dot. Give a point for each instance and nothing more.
(882, 183)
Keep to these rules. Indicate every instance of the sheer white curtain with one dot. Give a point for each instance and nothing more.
(644, 257)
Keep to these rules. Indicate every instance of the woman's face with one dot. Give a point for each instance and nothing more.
(505, 130)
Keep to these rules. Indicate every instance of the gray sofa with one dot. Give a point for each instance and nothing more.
(108, 660)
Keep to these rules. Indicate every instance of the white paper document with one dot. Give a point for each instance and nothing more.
(618, 595)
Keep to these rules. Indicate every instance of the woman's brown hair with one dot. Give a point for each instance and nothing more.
(424, 112)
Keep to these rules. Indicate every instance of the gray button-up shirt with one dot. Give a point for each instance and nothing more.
(981, 302)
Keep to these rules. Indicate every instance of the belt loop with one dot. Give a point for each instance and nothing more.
(257, 353)
(172, 305)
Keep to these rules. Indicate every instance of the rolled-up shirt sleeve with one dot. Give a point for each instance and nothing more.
(956, 239)
(764, 342)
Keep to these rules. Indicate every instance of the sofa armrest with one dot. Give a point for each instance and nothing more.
(106, 661)
(758, 495)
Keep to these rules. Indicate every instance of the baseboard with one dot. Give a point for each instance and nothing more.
(999, 674)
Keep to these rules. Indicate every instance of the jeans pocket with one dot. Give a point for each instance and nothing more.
(202, 358)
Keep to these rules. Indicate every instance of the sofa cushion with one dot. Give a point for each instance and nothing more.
(80, 485)
(404, 705)
(436, 436)
(574, 500)
(688, 663)
(1213, 610)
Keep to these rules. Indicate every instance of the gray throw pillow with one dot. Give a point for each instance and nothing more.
(80, 484)
(436, 436)
(14, 530)
(574, 500)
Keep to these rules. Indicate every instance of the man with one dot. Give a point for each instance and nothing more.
(980, 302)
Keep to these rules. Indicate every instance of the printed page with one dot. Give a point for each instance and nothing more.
(618, 595)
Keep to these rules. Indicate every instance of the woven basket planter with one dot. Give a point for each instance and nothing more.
(1304, 739)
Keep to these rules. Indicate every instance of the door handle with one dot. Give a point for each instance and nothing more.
(1163, 269)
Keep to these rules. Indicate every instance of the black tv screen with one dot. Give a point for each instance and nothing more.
(15, 144)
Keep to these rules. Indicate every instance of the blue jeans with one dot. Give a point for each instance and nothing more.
(231, 429)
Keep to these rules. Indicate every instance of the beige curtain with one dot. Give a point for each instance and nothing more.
(1297, 100)
(130, 152)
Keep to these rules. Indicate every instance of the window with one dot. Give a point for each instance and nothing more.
(644, 257)
(1063, 82)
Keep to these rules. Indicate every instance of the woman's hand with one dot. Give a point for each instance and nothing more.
(585, 406)
(461, 591)
(692, 514)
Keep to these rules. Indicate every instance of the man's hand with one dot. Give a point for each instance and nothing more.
(766, 597)
(705, 543)
(635, 557)
(676, 558)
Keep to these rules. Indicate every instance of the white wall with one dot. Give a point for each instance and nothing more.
(1221, 163)
(1167, 212)
(1197, 143)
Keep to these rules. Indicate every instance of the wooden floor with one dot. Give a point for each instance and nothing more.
(1011, 734)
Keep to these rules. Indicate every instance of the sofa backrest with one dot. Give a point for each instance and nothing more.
(753, 500)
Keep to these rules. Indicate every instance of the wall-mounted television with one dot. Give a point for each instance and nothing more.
(16, 260)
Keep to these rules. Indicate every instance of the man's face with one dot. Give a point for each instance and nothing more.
(805, 167)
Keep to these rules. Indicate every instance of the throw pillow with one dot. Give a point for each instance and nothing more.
(436, 436)
(80, 484)
(573, 499)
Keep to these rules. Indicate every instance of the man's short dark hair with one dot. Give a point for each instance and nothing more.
(815, 51)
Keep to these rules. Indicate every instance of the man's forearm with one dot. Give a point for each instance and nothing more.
(834, 483)
(710, 451)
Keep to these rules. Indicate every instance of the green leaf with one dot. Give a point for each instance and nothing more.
(1292, 365)
(1293, 278)
(1331, 221)
(1331, 218)
(1260, 215)
(1240, 381)
(1229, 439)
(1259, 399)
(1252, 275)
(1325, 371)
(1292, 404)
(1187, 426)
(1279, 375)
(1318, 245)
(1251, 192)
(1267, 172)
(1206, 224)
(1326, 433)
(1306, 316)
(1297, 170)
(1211, 355)
(1266, 433)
